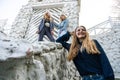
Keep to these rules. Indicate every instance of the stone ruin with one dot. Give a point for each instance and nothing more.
(47, 60)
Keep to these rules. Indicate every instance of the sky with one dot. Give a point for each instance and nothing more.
(92, 12)
(10, 8)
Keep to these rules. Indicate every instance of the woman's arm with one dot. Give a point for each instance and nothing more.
(39, 27)
(65, 24)
(41, 24)
(63, 40)
(106, 66)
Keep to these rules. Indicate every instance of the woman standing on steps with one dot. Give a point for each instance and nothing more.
(62, 26)
(87, 55)
(46, 28)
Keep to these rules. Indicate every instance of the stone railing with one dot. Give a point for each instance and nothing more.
(105, 26)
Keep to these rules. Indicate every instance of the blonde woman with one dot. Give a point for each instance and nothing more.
(62, 26)
(87, 55)
(46, 28)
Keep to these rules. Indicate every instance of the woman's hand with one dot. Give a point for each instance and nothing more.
(38, 31)
(52, 32)
(51, 19)
(29, 53)
(71, 33)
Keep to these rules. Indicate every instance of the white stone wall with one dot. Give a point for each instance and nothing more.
(72, 12)
(55, 63)
(46, 61)
(21, 23)
(18, 69)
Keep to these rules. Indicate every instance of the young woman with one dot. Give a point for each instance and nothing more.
(87, 55)
(62, 26)
(46, 28)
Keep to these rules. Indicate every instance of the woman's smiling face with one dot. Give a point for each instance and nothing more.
(80, 32)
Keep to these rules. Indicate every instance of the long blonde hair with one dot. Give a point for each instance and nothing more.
(87, 44)
(47, 16)
(61, 17)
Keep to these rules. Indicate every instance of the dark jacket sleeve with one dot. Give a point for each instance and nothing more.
(41, 24)
(63, 40)
(51, 25)
(106, 66)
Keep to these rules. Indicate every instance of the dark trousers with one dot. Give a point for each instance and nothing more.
(46, 31)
